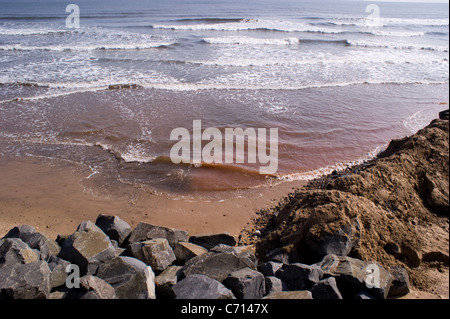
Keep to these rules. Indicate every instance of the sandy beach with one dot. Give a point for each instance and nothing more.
(51, 198)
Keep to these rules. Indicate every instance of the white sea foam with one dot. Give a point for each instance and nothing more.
(399, 46)
(310, 175)
(87, 47)
(422, 22)
(423, 117)
(404, 34)
(27, 32)
(252, 24)
(252, 41)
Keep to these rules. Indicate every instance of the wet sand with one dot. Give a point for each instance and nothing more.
(50, 196)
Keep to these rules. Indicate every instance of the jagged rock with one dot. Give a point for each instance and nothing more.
(25, 281)
(130, 278)
(241, 251)
(326, 289)
(96, 288)
(216, 265)
(299, 276)
(166, 280)
(210, 240)
(354, 275)
(185, 251)
(61, 238)
(88, 226)
(35, 240)
(88, 248)
(274, 284)
(201, 287)
(144, 231)
(156, 253)
(269, 268)
(14, 250)
(58, 269)
(238, 250)
(246, 283)
(279, 256)
(114, 227)
(299, 294)
(400, 283)
(444, 115)
(24, 232)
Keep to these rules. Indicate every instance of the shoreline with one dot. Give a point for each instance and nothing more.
(51, 197)
(61, 203)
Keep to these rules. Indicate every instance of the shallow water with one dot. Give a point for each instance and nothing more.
(108, 95)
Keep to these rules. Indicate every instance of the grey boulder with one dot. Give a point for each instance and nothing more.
(274, 284)
(88, 248)
(209, 241)
(35, 240)
(269, 268)
(246, 283)
(185, 251)
(217, 265)
(156, 253)
(201, 287)
(299, 276)
(96, 288)
(130, 278)
(145, 231)
(114, 227)
(25, 281)
(326, 289)
(400, 283)
(354, 275)
(14, 250)
(58, 269)
(166, 280)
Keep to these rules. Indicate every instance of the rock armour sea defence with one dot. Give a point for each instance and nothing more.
(361, 233)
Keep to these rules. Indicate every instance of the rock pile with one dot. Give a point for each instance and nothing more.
(392, 210)
(113, 261)
(360, 234)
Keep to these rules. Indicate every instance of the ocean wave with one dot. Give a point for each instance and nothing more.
(251, 41)
(210, 86)
(26, 32)
(421, 22)
(398, 46)
(316, 173)
(355, 58)
(86, 47)
(423, 117)
(209, 20)
(251, 24)
(405, 34)
(132, 154)
(327, 26)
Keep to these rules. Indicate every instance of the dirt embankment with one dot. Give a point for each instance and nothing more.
(393, 210)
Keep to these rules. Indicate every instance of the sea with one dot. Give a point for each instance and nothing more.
(338, 79)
